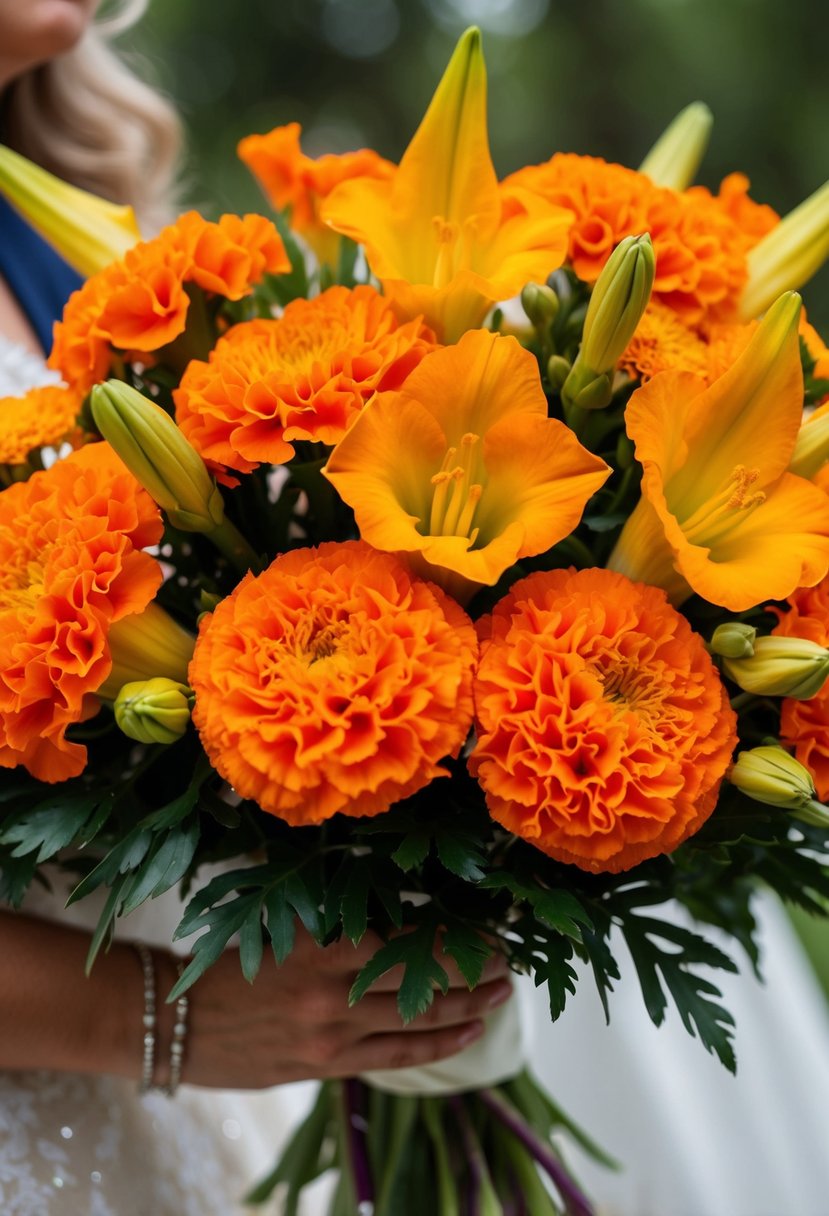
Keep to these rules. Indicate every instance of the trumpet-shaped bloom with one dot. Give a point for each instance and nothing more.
(675, 157)
(439, 234)
(89, 232)
(291, 179)
(720, 514)
(463, 467)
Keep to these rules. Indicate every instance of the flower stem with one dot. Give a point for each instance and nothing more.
(229, 540)
(355, 1131)
(575, 1202)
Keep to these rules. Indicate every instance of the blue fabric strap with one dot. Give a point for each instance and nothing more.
(38, 277)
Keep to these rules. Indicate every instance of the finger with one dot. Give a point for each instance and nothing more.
(402, 1050)
(376, 1014)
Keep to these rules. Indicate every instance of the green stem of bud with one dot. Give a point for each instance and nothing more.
(229, 541)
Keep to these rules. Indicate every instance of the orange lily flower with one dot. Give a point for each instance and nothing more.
(438, 232)
(720, 514)
(462, 469)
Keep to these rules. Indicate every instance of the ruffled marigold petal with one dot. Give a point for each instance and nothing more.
(603, 727)
(334, 682)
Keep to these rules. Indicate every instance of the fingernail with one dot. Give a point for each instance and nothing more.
(470, 1033)
(501, 993)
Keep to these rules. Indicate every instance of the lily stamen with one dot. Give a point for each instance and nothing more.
(715, 518)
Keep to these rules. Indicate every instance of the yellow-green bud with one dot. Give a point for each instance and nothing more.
(619, 298)
(733, 640)
(558, 369)
(769, 774)
(157, 453)
(781, 667)
(811, 449)
(788, 255)
(677, 154)
(154, 711)
(540, 303)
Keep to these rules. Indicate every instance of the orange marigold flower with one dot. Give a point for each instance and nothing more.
(663, 343)
(333, 682)
(289, 178)
(700, 240)
(71, 566)
(804, 725)
(140, 303)
(306, 376)
(604, 729)
(43, 417)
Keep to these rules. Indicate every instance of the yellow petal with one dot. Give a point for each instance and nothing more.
(87, 231)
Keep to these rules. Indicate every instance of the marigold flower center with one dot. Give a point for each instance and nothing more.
(456, 496)
(713, 521)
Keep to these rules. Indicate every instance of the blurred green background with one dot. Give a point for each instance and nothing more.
(593, 76)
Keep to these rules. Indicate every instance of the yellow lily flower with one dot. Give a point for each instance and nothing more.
(462, 469)
(87, 231)
(438, 233)
(720, 514)
(789, 255)
(675, 157)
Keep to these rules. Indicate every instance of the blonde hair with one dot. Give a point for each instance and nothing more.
(88, 118)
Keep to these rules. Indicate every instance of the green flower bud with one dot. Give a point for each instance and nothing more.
(558, 369)
(781, 667)
(811, 449)
(788, 255)
(619, 298)
(157, 453)
(733, 640)
(677, 154)
(769, 774)
(540, 303)
(154, 711)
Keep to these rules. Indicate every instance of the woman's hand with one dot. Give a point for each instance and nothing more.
(294, 1021)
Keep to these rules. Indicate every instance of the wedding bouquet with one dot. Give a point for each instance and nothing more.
(490, 628)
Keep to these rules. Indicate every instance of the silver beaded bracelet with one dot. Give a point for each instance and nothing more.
(148, 1067)
(179, 1035)
(150, 1023)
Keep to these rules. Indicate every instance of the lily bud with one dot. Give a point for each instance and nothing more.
(153, 711)
(87, 231)
(769, 774)
(540, 303)
(157, 453)
(811, 449)
(677, 154)
(733, 640)
(558, 369)
(619, 298)
(789, 255)
(781, 667)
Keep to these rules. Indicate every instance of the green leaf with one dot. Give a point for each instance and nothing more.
(222, 922)
(658, 969)
(56, 822)
(251, 943)
(460, 853)
(166, 864)
(305, 903)
(355, 902)
(125, 856)
(281, 923)
(103, 930)
(559, 909)
(422, 973)
(305, 1156)
(413, 851)
(467, 948)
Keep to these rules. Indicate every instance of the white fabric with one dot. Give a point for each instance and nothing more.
(21, 370)
(695, 1141)
(501, 1053)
